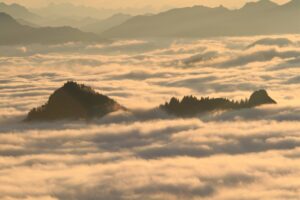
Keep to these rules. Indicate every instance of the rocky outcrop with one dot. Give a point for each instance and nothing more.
(260, 97)
(74, 101)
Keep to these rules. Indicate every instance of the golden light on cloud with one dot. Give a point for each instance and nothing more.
(194, 103)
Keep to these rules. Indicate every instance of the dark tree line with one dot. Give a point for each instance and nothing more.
(190, 105)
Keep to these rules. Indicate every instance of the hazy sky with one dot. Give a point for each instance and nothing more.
(139, 3)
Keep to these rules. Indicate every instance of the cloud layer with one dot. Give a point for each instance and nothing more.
(145, 153)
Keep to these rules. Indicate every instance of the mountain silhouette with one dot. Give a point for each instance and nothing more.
(261, 5)
(256, 18)
(191, 106)
(74, 101)
(78, 101)
(18, 12)
(99, 27)
(69, 10)
(14, 33)
(260, 97)
(28, 23)
(293, 4)
(67, 21)
(53, 15)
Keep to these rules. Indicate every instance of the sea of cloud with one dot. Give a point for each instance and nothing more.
(144, 153)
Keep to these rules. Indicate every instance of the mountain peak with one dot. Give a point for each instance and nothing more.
(221, 8)
(4, 6)
(262, 4)
(74, 101)
(260, 97)
(5, 15)
(17, 11)
(6, 19)
(293, 4)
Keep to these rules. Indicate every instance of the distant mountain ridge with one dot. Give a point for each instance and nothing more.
(76, 11)
(100, 26)
(18, 11)
(260, 5)
(48, 16)
(255, 18)
(54, 15)
(15, 33)
(67, 10)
